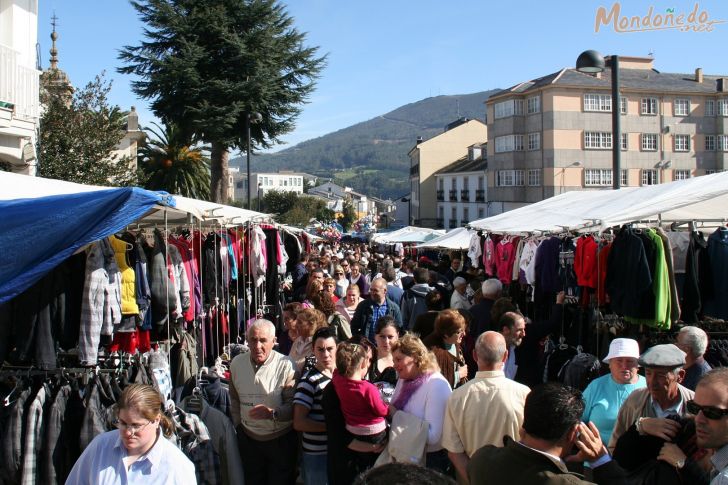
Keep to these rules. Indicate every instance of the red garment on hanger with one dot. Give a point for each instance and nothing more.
(585, 262)
(602, 290)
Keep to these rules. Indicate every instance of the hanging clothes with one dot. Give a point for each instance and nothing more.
(697, 274)
(716, 301)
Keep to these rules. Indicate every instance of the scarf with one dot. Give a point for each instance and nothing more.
(409, 387)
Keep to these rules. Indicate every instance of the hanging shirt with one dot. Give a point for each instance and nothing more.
(474, 250)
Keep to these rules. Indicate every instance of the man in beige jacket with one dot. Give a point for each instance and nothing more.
(261, 393)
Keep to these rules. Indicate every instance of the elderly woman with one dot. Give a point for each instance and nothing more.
(445, 342)
(421, 390)
(605, 395)
(308, 321)
(137, 452)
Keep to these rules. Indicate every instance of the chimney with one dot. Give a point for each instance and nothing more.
(419, 140)
(699, 75)
(722, 84)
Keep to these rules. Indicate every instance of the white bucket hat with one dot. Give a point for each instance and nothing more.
(623, 347)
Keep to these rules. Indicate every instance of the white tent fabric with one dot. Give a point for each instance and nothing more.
(407, 234)
(15, 186)
(456, 239)
(699, 198)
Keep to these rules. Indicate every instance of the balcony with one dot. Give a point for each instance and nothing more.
(465, 195)
(453, 196)
(441, 195)
(453, 224)
(480, 195)
(18, 84)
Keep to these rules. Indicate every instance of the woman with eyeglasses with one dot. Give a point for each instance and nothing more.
(138, 451)
(446, 343)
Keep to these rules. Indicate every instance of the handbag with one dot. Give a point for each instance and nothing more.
(407, 440)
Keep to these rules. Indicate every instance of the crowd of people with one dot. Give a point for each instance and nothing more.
(387, 362)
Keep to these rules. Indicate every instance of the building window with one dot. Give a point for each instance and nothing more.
(711, 171)
(625, 141)
(680, 174)
(597, 102)
(709, 143)
(466, 215)
(709, 107)
(597, 140)
(681, 107)
(453, 184)
(481, 182)
(594, 177)
(723, 143)
(649, 177)
(682, 143)
(481, 213)
(534, 141)
(649, 142)
(723, 107)
(509, 178)
(509, 143)
(441, 183)
(649, 106)
(623, 179)
(534, 177)
(453, 213)
(623, 105)
(533, 105)
(511, 107)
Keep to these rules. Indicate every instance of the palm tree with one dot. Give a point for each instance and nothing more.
(172, 164)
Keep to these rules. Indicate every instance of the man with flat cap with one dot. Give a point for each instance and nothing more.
(648, 409)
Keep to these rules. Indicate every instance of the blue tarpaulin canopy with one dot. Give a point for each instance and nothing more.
(39, 232)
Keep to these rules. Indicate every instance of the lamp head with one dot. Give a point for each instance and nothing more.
(255, 117)
(590, 62)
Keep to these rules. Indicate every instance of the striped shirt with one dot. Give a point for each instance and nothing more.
(309, 391)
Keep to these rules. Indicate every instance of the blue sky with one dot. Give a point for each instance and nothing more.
(387, 53)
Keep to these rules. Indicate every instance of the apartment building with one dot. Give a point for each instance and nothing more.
(19, 85)
(554, 134)
(462, 189)
(429, 156)
(262, 183)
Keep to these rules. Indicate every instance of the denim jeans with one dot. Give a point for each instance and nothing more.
(314, 469)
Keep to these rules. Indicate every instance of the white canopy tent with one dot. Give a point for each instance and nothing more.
(701, 198)
(409, 234)
(15, 186)
(456, 239)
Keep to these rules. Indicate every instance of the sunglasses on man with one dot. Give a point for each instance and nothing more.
(709, 412)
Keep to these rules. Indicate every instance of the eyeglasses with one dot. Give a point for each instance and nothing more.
(708, 411)
(338, 272)
(132, 428)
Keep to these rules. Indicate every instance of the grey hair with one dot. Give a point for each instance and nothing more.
(696, 339)
(492, 287)
(486, 351)
(263, 324)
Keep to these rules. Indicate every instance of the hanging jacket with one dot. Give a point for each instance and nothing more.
(163, 299)
(128, 277)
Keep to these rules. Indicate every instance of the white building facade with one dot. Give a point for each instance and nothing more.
(19, 84)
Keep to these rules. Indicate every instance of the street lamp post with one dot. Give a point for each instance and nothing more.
(250, 118)
(591, 62)
(259, 186)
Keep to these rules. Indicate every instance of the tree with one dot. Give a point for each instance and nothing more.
(207, 65)
(171, 163)
(349, 215)
(78, 135)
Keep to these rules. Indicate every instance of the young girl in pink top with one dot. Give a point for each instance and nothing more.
(361, 403)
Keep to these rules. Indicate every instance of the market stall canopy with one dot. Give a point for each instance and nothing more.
(41, 227)
(223, 214)
(420, 236)
(406, 234)
(699, 198)
(456, 239)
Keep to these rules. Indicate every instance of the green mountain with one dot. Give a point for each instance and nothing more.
(371, 156)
